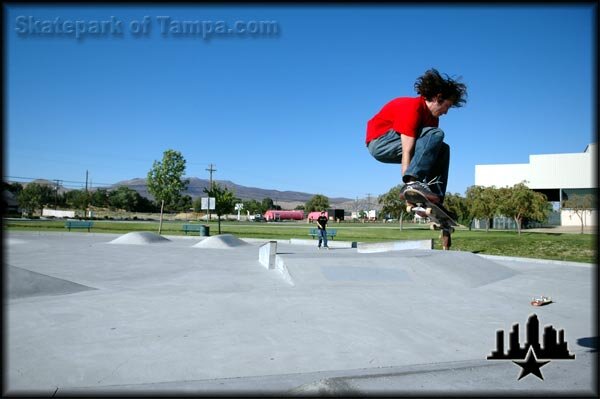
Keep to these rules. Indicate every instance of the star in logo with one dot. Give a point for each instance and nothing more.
(531, 365)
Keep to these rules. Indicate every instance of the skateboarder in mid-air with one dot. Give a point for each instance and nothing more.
(405, 131)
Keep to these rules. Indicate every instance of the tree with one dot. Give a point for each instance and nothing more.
(165, 181)
(224, 201)
(184, 204)
(392, 204)
(317, 203)
(99, 198)
(266, 204)
(124, 198)
(77, 199)
(10, 193)
(197, 204)
(146, 205)
(35, 196)
(520, 202)
(15, 188)
(579, 204)
(362, 215)
(252, 206)
(482, 203)
(457, 204)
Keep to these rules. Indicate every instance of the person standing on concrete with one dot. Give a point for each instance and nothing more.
(405, 131)
(322, 226)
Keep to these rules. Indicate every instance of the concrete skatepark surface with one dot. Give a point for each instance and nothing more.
(194, 315)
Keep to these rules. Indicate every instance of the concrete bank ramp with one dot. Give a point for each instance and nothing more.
(140, 238)
(420, 267)
(402, 245)
(458, 268)
(24, 283)
(222, 241)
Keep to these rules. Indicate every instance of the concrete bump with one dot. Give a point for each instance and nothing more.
(24, 283)
(140, 238)
(221, 241)
(325, 387)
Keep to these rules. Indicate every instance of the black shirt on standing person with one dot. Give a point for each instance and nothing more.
(322, 221)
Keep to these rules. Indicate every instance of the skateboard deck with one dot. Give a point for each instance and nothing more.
(418, 203)
(541, 301)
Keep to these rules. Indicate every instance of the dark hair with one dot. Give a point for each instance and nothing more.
(432, 83)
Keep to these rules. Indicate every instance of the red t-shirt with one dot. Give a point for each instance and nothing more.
(406, 115)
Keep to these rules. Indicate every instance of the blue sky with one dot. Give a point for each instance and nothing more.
(289, 112)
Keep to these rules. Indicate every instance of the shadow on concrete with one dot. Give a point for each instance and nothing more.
(589, 342)
(23, 283)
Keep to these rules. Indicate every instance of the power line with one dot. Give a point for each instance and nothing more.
(64, 181)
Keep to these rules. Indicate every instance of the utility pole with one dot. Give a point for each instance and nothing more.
(210, 170)
(86, 195)
(56, 194)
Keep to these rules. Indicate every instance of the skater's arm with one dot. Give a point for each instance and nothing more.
(408, 149)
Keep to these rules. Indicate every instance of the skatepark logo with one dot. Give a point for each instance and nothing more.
(528, 356)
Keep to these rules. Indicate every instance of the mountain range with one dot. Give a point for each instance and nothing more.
(285, 199)
(196, 188)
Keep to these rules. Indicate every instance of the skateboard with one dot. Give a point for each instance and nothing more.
(541, 301)
(419, 204)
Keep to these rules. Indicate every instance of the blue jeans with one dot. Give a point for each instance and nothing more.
(322, 237)
(430, 160)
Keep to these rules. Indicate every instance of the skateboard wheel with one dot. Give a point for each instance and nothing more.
(409, 208)
(428, 211)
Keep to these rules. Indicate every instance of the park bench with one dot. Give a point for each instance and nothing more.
(78, 224)
(193, 227)
(314, 233)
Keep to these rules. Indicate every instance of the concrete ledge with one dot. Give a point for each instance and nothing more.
(369, 247)
(282, 269)
(264, 240)
(330, 243)
(266, 254)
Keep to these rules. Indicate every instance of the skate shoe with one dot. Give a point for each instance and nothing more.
(422, 188)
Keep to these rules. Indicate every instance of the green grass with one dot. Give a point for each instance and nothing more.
(569, 247)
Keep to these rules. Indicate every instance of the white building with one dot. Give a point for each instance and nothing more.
(370, 215)
(58, 214)
(555, 175)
